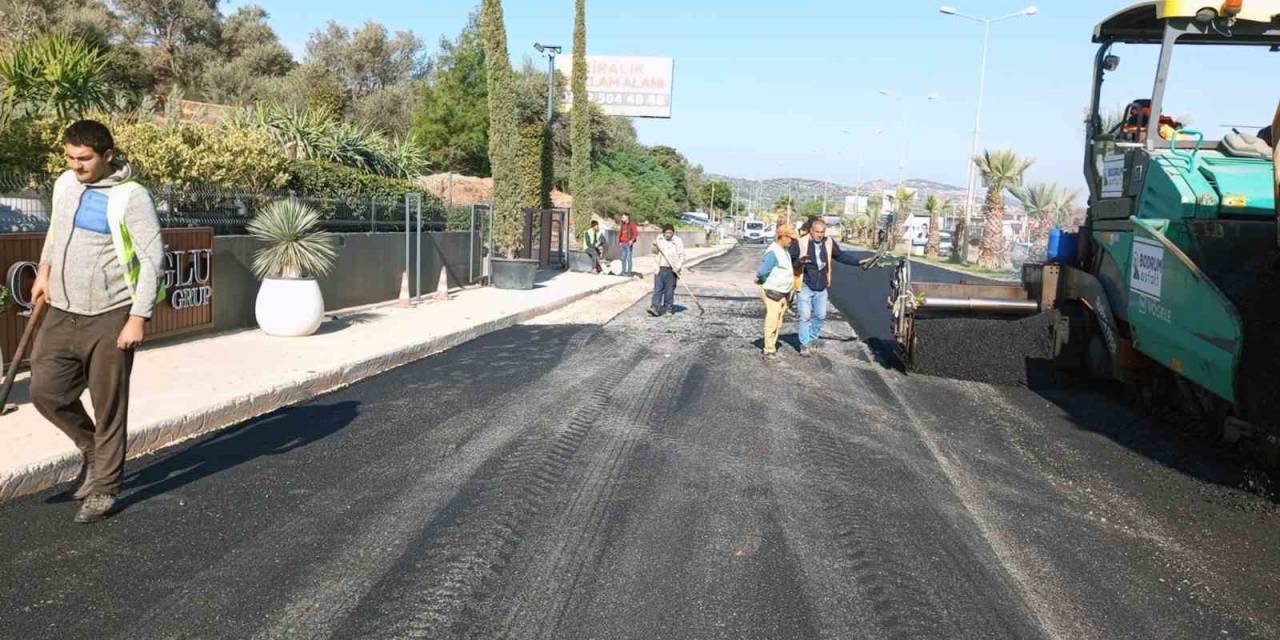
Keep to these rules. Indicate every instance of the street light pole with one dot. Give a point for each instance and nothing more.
(550, 50)
(971, 185)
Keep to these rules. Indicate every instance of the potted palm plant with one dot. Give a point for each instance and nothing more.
(295, 252)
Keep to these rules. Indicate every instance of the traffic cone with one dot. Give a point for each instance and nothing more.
(404, 290)
(442, 286)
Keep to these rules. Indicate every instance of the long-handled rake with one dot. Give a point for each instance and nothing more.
(687, 290)
(33, 325)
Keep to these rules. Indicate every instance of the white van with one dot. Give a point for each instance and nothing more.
(754, 231)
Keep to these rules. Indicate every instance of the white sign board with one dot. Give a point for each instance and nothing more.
(1146, 267)
(1113, 176)
(625, 85)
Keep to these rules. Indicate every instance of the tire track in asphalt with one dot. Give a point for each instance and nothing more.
(1044, 607)
(353, 531)
(478, 532)
(557, 565)
(900, 605)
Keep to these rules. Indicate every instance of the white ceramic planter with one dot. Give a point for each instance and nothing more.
(289, 308)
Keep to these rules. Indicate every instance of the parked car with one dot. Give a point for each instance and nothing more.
(944, 244)
(754, 231)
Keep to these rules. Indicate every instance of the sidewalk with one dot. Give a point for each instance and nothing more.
(190, 388)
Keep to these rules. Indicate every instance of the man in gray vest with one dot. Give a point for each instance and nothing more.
(100, 271)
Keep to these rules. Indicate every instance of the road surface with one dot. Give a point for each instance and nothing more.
(593, 476)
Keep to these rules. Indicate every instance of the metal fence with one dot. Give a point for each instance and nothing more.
(25, 205)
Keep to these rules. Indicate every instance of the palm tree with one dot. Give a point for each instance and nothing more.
(874, 208)
(1002, 170)
(1046, 205)
(936, 208)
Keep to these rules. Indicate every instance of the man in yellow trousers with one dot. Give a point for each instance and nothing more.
(776, 277)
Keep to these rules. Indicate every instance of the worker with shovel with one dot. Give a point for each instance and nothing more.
(669, 250)
(100, 271)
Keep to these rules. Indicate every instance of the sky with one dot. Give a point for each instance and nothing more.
(765, 89)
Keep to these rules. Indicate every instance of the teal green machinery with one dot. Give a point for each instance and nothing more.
(1180, 234)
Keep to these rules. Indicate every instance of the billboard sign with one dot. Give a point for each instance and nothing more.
(634, 86)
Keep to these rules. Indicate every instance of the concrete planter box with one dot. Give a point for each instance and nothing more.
(513, 273)
(580, 262)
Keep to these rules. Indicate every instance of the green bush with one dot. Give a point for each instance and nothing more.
(329, 180)
(192, 154)
(32, 146)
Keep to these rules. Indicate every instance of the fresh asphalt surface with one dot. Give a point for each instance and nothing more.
(654, 478)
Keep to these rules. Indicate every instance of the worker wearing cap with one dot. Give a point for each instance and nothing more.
(775, 279)
(811, 258)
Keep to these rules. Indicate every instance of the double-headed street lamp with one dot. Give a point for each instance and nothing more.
(982, 83)
(550, 51)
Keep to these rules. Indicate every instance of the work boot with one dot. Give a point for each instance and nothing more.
(806, 352)
(653, 311)
(770, 356)
(670, 310)
(95, 508)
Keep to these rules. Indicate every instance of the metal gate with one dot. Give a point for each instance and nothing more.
(546, 229)
(481, 243)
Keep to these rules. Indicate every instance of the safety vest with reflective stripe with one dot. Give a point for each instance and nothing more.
(117, 204)
(779, 279)
(804, 253)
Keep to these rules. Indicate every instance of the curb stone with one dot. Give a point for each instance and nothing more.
(159, 434)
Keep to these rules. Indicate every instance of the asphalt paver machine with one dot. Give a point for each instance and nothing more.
(1174, 286)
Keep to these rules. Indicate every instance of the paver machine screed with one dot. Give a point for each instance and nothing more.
(1174, 286)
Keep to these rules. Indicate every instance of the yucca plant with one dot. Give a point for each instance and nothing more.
(54, 75)
(295, 244)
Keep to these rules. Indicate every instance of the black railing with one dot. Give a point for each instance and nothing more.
(25, 198)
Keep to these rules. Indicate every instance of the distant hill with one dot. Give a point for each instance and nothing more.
(805, 189)
(766, 192)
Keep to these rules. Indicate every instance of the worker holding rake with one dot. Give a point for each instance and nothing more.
(669, 249)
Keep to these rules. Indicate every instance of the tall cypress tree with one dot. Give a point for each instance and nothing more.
(504, 135)
(580, 133)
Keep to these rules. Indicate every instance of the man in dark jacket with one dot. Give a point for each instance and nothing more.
(812, 256)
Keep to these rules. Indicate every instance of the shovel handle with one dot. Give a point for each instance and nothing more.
(33, 324)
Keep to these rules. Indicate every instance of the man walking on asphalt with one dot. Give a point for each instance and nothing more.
(812, 256)
(100, 270)
(593, 240)
(669, 250)
(775, 280)
(628, 232)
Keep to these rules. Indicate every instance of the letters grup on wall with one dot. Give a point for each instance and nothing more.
(187, 274)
